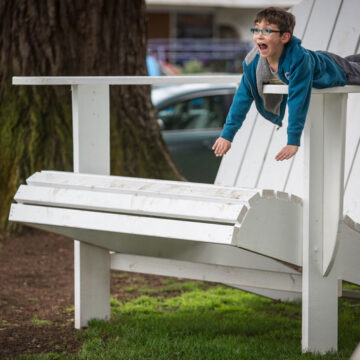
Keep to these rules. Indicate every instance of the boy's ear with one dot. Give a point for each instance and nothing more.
(285, 37)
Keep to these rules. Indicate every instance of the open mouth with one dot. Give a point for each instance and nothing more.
(262, 46)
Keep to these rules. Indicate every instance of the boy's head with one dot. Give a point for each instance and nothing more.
(273, 30)
(284, 20)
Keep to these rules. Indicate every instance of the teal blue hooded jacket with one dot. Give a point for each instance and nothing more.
(301, 69)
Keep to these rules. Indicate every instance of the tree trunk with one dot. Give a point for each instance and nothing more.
(73, 38)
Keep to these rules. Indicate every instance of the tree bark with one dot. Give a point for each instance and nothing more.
(73, 38)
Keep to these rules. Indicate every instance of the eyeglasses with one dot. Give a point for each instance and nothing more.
(265, 32)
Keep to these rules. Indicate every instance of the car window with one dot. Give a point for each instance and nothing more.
(205, 112)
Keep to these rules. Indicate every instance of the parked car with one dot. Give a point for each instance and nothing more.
(191, 117)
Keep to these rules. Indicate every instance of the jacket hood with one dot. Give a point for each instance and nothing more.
(294, 41)
(251, 55)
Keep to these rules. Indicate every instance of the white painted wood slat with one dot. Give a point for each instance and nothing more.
(352, 139)
(349, 250)
(127, 225)
(128, 185)
(124, 80)
(279, 295)
(295, 184)
(206, 272)
(228, 173)
(345, 37)
(255, 153)
(195, 210)
(352, 194)
(318, 31)
(274, 173)
(302, 12)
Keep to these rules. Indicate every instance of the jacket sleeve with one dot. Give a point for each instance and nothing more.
(300, 87)
(238, 110)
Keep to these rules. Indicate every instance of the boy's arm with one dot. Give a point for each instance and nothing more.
(238, 110)
(236, 116)
(300, 87)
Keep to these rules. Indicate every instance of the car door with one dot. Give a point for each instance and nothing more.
(190, 125)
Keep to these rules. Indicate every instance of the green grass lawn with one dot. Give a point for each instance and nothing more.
(207, 322)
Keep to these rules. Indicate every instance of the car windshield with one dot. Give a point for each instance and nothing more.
(198, 113)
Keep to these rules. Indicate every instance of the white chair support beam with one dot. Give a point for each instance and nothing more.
(321, 218)
(207, 272)
(91, 147)
(279, 295)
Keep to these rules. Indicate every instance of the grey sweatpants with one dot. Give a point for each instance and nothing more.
(350, 65)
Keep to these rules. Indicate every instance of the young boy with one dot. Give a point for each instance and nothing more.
(278, 57)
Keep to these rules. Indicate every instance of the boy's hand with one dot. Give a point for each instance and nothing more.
(221, 146)
(287, 152)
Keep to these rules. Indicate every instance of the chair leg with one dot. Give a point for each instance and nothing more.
(92, 283)
(319, 310)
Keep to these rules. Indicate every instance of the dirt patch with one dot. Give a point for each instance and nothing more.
(37, 294)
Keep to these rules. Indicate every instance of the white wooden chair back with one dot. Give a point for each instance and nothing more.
(251, 163)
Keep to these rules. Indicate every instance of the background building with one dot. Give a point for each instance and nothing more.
(214, 33)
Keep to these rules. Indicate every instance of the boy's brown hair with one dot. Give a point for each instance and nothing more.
(277, 16)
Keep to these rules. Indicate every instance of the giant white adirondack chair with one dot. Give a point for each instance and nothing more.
(264, 241)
